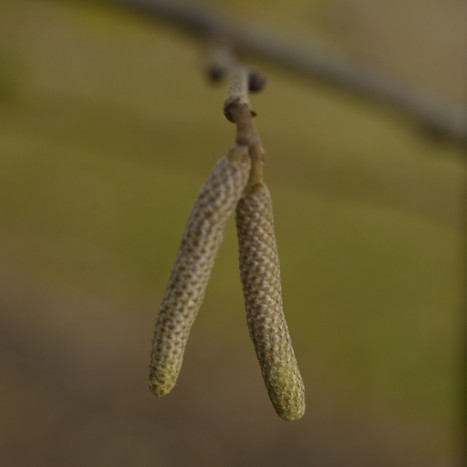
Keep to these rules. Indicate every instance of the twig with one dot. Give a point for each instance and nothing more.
(237, 109)
(439, 118)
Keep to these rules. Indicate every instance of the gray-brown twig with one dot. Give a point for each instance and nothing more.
(237, 109)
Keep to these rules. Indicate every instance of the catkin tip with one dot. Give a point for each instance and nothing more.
(162, 380)
(159, 390)
(292, 416)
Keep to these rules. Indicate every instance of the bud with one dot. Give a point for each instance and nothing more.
(195, 258)
(256, 81)
(215, 73)
(260, 274)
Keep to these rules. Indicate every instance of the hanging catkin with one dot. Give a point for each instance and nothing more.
(260, 274)
(198, 249)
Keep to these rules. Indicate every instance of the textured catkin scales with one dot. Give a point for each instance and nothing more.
(260, 274)
(198, 249)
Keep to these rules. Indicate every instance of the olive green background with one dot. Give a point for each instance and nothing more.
(107, 130)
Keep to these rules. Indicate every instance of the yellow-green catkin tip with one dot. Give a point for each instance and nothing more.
(260, 274)
(195, 258)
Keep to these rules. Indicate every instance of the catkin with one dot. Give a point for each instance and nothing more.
(260, 274)
(198, 249)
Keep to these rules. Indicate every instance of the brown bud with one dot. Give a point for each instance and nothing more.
(256, 81)
(215, 73)
(260, 274)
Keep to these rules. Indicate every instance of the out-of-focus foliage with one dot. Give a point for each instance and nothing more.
(107, 130)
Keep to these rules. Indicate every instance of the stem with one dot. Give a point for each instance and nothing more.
(237, 109)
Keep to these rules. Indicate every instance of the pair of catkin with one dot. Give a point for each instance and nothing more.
(227, 188)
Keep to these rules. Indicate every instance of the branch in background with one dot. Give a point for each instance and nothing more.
(439, 118)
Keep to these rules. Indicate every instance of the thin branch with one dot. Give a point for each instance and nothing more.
(437, 117)
(237, 109)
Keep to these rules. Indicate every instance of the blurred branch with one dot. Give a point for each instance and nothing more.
(436, 117)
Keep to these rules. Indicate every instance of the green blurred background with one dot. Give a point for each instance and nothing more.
(107, 130)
